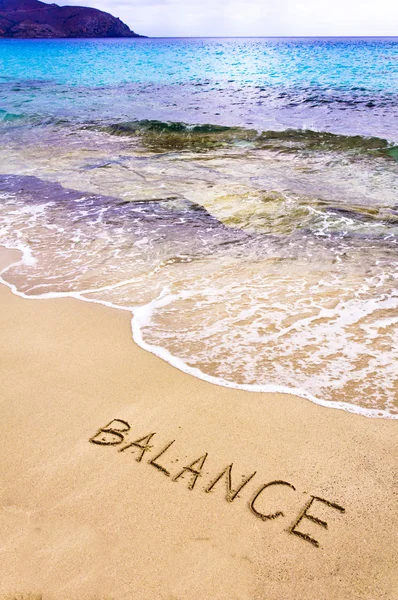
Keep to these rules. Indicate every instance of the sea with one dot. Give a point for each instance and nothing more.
(238, 196)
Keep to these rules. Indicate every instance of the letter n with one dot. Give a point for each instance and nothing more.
(231, 494)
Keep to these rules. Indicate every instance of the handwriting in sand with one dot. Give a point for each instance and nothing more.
(117, 431)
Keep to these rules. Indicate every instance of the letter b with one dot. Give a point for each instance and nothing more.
(111, 434)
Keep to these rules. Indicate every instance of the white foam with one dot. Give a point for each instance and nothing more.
(142, 316)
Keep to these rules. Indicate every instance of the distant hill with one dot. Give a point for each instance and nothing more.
(34, 19)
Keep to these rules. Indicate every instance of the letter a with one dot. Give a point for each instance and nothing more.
(195, 471)
(142, 443)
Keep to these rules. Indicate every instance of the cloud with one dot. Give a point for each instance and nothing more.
(181, 18)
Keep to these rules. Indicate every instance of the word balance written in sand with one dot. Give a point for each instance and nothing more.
(117, 431)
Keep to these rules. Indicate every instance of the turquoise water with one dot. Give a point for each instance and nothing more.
(339, 85)
(237, 196)
(339, 62)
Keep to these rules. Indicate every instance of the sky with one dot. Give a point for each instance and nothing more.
(185, 18)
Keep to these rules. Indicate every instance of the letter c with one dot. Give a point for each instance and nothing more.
(260, 491)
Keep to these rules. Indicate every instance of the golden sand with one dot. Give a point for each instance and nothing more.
(83, 520)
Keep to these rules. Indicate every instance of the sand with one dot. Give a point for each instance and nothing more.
(83, 520)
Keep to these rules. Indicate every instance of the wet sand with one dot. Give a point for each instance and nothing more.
(83, 520)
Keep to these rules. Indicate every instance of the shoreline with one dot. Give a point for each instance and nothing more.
(174, 361)
(83, 520)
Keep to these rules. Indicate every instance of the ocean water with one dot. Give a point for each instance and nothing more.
(238, 196)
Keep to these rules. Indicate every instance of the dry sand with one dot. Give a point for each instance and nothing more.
(85, 521)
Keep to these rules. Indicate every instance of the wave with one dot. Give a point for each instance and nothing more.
(141, 316)
(297, 298)
(159, 135)
(7, 117)
(174, 136)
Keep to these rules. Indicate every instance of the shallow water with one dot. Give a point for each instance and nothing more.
(259, 251)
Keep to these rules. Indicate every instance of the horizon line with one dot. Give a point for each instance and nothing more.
(266, 36)
(212, 37)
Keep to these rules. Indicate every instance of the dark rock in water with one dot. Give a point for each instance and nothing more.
(34, 19)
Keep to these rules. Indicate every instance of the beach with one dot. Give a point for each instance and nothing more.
(83, 520)
(199, 318)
